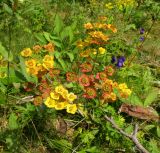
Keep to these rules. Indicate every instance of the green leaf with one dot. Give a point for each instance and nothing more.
(5, 53)
(150, 98)
(7, 9)
(135, 100)
(23, 69)
(58, 24)
(47, 36)
(41, 38)
(71, 56)
(158, 131)
(2, 98)
(13, 122)
(57, 44)
(67, 32)
(149, 127)
(88, 136)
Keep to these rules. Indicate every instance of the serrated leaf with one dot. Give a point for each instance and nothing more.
(150, 98)
(135, 100)
(149, 127)
(13, 122)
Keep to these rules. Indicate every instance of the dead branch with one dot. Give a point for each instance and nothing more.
(132, 136)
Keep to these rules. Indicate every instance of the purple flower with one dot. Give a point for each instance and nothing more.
(113, 59)
(119, 64)
(121, 59)
(141, 38)
(141, 31)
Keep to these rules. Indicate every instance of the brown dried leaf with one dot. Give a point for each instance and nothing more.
(146, 113)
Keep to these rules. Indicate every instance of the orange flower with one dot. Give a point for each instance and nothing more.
(101, 76)
(112, 28)
(37, 101)
(102, 18)
(71, 77)
(84, 80)
(37, 48)
(109, 70)
(86, 67)
(49, 47)
(90, 93)
(88, 26)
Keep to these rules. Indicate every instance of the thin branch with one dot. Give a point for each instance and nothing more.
(38, 135)
(132, 136)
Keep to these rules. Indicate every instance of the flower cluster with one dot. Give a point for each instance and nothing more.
(3, 64)
(122, 4)
(142, 32)
(118, 61)
(41, 63)
(60, 99)
(95, 84)
(123, 90)
(96, 38)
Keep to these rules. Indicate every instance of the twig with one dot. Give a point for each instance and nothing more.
(132, 136)
(38, 135)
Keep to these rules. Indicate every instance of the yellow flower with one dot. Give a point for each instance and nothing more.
(3, 75)
(48, 58)
(32, 71)
(85, 53)
(60, 89)
(48, 64)
(71, 97)
(60, 105)
(80, 44)
(88, 26)
(122, 86)
(71, 108)
(64, 93)
(113, 96)
(26, 52)
(102, 18)
(54, 95)
(30, 63)
(127, 91)
(40, 67)
(112, 28)
(50, 102)
(109, 6)
(101, 50)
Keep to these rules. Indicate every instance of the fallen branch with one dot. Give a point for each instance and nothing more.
(132, 136)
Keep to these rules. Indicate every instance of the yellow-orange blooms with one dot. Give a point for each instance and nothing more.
(60, 99)
(26, 52)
